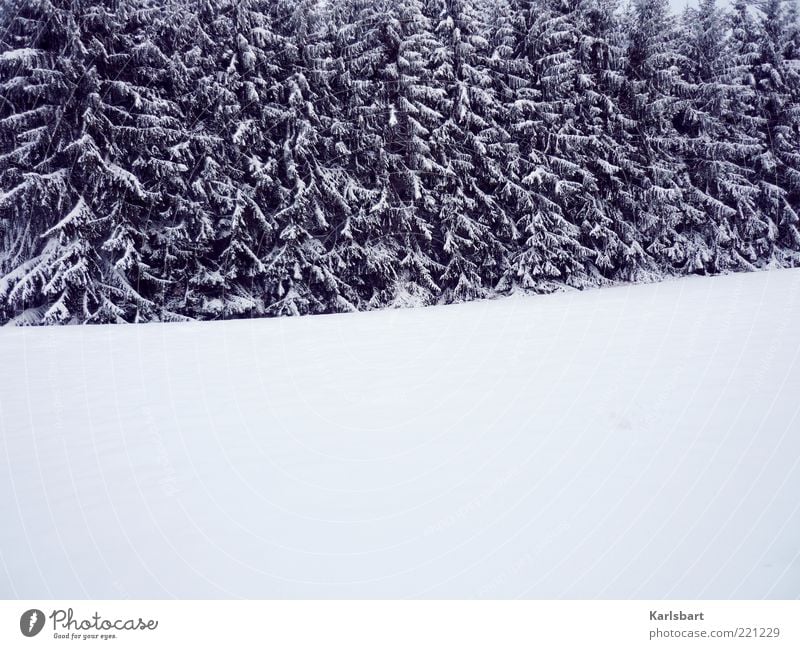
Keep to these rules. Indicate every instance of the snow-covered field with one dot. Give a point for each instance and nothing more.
(641, 441)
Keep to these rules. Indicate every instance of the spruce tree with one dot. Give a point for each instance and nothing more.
(778, 166)
(653, 97)
(548, 252)
(473, 223)
(72, 126)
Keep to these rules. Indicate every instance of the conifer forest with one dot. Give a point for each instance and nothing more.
(165, 160)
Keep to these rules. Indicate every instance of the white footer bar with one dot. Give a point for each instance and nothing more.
(400, 624)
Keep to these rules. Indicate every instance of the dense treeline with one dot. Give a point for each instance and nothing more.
(164, 160)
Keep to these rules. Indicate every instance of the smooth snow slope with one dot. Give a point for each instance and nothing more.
(641, 441)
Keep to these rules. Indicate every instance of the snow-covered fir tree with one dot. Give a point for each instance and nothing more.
(723, 135)
(77, 133)
(310, 200)
(473, 222)
(776, 80)
(578, 60)
(410, 107)
(654, 96)
(547, 250)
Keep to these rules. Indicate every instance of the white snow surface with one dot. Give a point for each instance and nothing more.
(640, 441)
